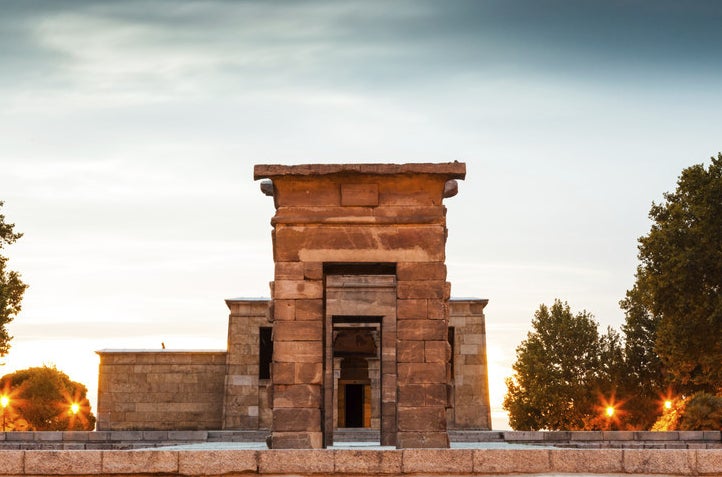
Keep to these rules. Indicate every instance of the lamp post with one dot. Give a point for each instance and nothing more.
(4, 401)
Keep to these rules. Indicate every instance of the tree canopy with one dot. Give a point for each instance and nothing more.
(46, 399)
(563, 371)
(678, 284)
(12, 287)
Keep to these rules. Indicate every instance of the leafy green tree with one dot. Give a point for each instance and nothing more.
(11, 286)
(703, 412)
(46, 399)
(558, 374)
(678, 287)
(642, 384)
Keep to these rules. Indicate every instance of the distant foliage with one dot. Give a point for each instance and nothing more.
(43, 399)
(703, 412)
(12, 287)
(678, 287)
(562, 371)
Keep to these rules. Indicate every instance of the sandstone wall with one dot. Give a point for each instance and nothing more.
(161, 390)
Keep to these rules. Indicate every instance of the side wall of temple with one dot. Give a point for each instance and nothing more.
(210, 390)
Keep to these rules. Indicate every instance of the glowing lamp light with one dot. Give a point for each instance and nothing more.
(610, 411)
(4, 401)
(668, 404)
(75, 408)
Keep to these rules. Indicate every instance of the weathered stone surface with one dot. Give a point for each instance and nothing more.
(360, 195)
(437, 351)
(11, 462)
(289, 271)
(411, 309)
(410, 289)
(421, 330)
(422, 394)
(585, 461)
(297, 331)
(296, 419)
(299, 462)
(421, 271)
(367, 462)
(660, 461)
(421, 373)
(309, 310)
(421, 419)
(511, 461)
(151, 462)
(217, 462)
(422, 440)
(438, 461)
(709, 462)
(298, 352)
(63, 462)
(297, 289)
(284, 310)
(410, 352)
(296, 395)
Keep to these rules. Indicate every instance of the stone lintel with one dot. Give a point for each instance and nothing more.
(451, 170)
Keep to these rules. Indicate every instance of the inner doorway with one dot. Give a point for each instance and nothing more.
(355, 414)
(356, 360)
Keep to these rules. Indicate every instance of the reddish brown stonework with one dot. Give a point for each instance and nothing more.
(364, 333)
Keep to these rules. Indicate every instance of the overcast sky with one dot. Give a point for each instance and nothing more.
(129, 130)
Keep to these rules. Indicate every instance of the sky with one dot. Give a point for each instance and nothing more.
(129, 130)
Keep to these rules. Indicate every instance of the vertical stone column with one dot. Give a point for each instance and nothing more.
(471, 384)
(243, 402)
(297, 354)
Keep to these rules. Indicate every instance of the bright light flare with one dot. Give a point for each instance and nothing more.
(75, 408)
(609, 411)
(4, 401)
(668, 404)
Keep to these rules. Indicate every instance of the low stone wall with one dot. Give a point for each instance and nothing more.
(120, 440)
(448, 462)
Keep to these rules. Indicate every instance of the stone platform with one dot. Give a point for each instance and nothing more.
(448, 462)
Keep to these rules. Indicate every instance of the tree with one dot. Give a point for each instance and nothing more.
(678, 283)
(561, 370)
(46, 399)
(11, 286)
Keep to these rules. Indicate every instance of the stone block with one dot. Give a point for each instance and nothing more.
(660, 461)
(298, 289)
(296, 395)
(422, 440)
(421, 373)
(289, 271)
(410, 352)
(517, 436)
(437, 309)
(656, 436)
(210, 462)
(11, 462)
(421, 330)
(283, 373)
(293, 460)
(52, 462)
(587, 461)
(420, 289)
(421, 271)
(308, 373)
(313, 270)
(137, 462)
(297, 331)
(284, 310)
(411, 309)
(307, 310)
(360, 195)
(709, 462)
(511, 461)
(297, 352)
(367, 462)
(438, 461)
(421, 419)
(422, 394)
(296, 419)
(437, 351)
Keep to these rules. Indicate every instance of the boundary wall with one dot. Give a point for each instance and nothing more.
(447, 462)
(123, 440)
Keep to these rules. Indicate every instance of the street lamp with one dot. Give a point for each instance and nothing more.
(4, 401)
(610, 411)
(74, 408)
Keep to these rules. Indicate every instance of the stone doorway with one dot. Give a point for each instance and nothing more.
(356, 372)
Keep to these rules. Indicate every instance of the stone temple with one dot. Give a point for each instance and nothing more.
(360, 330)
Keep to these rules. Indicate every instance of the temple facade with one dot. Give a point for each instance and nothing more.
(360, 330)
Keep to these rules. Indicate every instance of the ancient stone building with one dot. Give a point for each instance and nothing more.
(360, 331)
